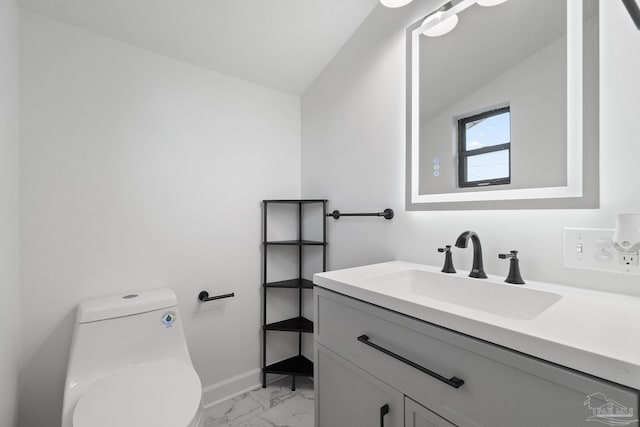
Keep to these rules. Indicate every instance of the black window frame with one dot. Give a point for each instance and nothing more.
(464, 154)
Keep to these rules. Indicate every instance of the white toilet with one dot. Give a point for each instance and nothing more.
(129, 365)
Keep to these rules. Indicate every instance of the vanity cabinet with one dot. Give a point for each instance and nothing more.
(449, 378)
(416, 415)
(349, 396)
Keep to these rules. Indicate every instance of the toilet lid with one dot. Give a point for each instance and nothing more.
(160, 394)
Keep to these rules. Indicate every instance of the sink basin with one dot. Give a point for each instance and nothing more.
(512, 301)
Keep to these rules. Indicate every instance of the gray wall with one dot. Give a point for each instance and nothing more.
(9, 292)
(354, 150)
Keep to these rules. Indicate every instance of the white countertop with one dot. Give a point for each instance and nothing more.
(594, 332)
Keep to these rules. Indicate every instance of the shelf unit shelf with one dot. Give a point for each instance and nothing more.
(295, 201)
(298, 365)
(297, 324)
(296, 243)
(291, 284)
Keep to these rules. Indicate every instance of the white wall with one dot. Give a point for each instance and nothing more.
(354, 150)
(9, 293)
(139, 171)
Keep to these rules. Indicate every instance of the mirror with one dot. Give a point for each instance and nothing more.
(502, 110)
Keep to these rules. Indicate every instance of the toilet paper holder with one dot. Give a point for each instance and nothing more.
(204, 296)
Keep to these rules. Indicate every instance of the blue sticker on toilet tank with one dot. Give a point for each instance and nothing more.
(168, 318)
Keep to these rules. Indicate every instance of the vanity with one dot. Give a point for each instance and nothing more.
(402, 344)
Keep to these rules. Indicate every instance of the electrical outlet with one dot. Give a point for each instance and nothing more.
(628, 259)
(592, 249)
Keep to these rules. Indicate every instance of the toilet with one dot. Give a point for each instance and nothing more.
(129, 365)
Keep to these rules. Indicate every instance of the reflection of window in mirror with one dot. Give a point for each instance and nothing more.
(484, 148)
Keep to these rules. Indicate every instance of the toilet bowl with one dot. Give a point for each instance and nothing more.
(129, 365)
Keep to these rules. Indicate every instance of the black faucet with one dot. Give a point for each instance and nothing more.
(477, 270)
(514, 268)
(448, 261)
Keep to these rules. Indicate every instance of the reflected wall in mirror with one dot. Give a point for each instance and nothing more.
(502, 110)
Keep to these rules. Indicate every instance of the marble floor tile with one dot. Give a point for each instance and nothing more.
(274, 406)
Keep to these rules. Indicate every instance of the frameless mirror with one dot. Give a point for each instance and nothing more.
(502, 106)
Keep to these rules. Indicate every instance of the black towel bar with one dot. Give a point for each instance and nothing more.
(387, 214)
(204, 296)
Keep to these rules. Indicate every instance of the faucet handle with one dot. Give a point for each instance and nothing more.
(448, 260)
(514, 276)
(513, 254)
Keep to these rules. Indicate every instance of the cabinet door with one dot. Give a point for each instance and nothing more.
(347, 396)
(416, 415)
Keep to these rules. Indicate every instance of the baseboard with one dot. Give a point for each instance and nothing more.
(234, 386)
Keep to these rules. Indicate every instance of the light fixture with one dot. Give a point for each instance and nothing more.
(488, 3)
(442, 26)
(395, 3)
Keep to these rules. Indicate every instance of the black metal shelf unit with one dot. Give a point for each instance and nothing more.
(297, 365)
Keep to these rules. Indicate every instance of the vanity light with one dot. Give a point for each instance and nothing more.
(442, 27)
(488, 3)
(395, 3)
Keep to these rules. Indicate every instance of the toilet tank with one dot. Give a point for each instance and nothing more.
(120, 332)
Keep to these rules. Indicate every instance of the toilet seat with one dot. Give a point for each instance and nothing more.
(166, 393)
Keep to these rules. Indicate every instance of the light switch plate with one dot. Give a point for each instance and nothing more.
(592, 249)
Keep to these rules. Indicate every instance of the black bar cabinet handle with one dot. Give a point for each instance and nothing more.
(384, 410)
(204, 296)
(454, 382)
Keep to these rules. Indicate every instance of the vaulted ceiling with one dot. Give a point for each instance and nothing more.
(282, 44)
